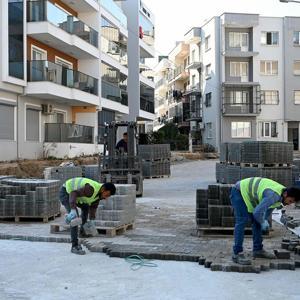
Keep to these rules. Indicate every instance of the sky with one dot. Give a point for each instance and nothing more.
(173, 18)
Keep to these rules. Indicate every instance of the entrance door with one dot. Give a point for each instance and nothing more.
(293, 137)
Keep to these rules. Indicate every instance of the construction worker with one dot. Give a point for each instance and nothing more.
(254, 199)
(122, 144)
(86, 194)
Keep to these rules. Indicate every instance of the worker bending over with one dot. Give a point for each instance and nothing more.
(254, 199)
(86, 194)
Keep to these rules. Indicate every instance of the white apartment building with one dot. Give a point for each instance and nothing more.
(248, 79)
(63, 73)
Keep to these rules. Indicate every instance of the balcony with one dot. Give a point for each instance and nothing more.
(147, 106)
(160, 83)
(193, 89)
(193, 36)
(180, 73)
(241, 109)
(53, 26)
(84, 6)
(114, 93)
(111, 7)
(68, 133)
(52, 81)
(195, 65)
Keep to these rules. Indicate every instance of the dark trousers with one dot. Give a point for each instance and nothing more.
(64, 199)
(242, 216)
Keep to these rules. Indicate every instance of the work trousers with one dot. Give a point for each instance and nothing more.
(242, 216)
(64, 199)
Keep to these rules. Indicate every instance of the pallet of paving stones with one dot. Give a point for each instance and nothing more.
(158, 168)
(257, 152)
(154, 151)
(20, 219)
(107, 231)
(62, 173)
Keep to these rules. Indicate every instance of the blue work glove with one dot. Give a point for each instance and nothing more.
(70, 216)
(265, 226)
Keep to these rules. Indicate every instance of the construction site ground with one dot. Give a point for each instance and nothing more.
(165, 230)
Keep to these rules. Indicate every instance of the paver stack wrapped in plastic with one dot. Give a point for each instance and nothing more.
(155, 160)
(36, 198)
(119, 209)
(257, 158)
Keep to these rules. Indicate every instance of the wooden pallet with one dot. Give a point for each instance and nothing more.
(221, 231)
(107, 231)
(156, 176)
(257, 165)
(19, 219)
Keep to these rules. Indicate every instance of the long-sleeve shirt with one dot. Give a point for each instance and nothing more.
(263, 211)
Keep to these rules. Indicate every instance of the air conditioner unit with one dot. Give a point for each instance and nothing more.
(47, 109)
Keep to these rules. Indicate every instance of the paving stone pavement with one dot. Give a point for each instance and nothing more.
(165, 227)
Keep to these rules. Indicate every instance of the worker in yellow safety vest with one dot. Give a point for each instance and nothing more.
(85, 194)
(254, 199)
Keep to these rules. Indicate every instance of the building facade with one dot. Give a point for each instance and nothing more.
(248, 78)
(64, 72)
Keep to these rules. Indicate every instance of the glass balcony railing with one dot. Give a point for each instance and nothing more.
(147, 106)
(68, 133)
(114, 93)
(115, 10)
(41, 70)
(115, 50)
(42, 10)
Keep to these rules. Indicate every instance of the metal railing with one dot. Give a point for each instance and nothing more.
(115, 10)
(241, 108)
(160, 83)
(43, 10)
(68, 133)
(42, 70)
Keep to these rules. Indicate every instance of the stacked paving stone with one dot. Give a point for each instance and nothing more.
(91, 172)
(29, 198)
(155, 160)
(62, 173)
(213, 207)
(255, 159)
(119, 209)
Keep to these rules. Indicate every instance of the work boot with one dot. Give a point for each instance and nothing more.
(241, 259)
(77, 250)
(84, 235)
(263, 254)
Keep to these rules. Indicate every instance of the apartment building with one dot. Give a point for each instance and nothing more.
(248, 78)
(63, 74)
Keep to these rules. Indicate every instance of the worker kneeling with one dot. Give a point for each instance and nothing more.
(255, 198)
(86, 194)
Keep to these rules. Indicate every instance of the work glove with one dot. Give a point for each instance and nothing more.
(265, 226)
(71, 215)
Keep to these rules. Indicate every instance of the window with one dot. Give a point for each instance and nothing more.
(296, 38)
(16, 39)
(7, 122)
(193, 80)
(208, 71)
(241, 129)
(238, 69)
(193, 56)
(269, 67)
(32, 125)
(209, 130)
(38, 53)
(238, 40)
(208, 99)
(297, 97)
(64, 63)
(269, 38)
(207, 43)
(296, 67)
(268, 129)
(269, 97)
(239, 97)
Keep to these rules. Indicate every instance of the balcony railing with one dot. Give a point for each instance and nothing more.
(114, 93)
(42, 10)
(161, 82)
(147, 106)
(42, 70)
(68, 133)
(241, 109)
(115, 10)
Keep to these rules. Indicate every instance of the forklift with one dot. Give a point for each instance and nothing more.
(117, 166)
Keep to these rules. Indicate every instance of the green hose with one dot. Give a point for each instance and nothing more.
(138, 261)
